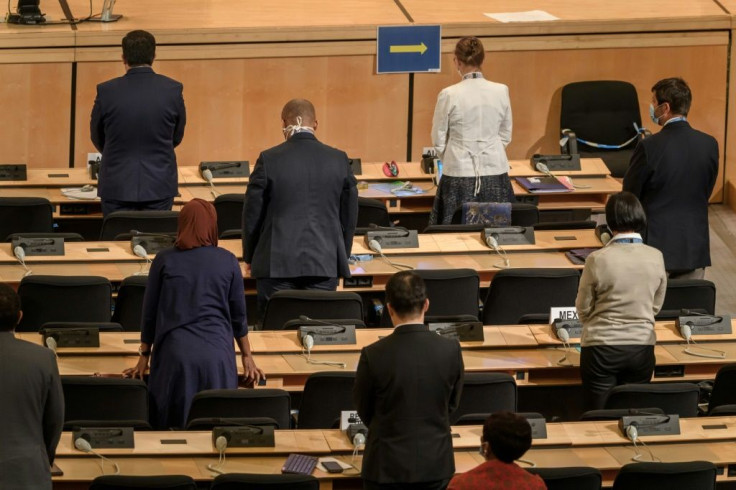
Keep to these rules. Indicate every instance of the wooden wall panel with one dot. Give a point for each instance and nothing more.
(234, 105)
(536, 78)
(35, 115)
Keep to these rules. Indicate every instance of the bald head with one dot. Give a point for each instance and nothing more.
(299, 108)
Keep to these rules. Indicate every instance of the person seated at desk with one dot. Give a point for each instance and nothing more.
(193, 307)
(506, 437)
(621, 289)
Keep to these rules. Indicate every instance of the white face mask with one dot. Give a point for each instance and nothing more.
(292, 129)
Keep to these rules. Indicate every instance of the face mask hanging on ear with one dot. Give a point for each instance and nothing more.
(292, 129)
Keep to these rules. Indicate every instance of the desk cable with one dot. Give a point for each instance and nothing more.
(686, 332)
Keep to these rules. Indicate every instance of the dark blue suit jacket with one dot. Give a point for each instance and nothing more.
(301, 207)
(137, 120)
(673, 173)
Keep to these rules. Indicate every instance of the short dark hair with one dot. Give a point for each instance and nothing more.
(675, 92)
(406, 293)
(624, 212)
(298, 107)
(469, 50)
(9, 308)
(508, 435)
(139, 48)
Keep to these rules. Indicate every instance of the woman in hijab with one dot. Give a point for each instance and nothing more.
(193, 307)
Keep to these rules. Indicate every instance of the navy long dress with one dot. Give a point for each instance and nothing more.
(193, 308)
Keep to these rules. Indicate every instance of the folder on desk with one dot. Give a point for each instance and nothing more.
(545, 184)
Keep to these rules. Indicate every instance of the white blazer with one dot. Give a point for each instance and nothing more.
(472, 127)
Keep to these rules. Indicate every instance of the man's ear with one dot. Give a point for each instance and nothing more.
(426, 306)
(20, 316)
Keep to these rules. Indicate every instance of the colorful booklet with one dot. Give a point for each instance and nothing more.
(545, 184)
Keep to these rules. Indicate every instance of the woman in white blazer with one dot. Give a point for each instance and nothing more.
(470, 131)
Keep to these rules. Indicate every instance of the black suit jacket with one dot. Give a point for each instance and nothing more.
(137, 120)
(406, 387)
(301, 207)
(673, 173)
(31, 413)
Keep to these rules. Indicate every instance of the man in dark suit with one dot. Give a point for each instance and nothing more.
(406, 387)
(673, 173)
(301, 207)
(137, 121)
(31, 404)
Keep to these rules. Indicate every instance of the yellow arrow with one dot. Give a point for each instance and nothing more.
(409, 48)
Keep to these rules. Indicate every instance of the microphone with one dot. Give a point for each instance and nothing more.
(686, 331)
(221, 445)
(492, 242)
(20, 254)
(308, 343)
(375, 245)
(563, 334)
(632, 433)
(142, 253)
(83, 445)
(541, 167)
(207, 175)
(52, 344)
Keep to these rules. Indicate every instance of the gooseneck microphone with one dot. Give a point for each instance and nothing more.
(52, 344)
(375, 245)
(20, 254)
(564, 335)
(221, 445)
(142, 253)
(207, 174)
(308, 343)
(545, 170)
(83, 445)
(492, 243)
(686, 331)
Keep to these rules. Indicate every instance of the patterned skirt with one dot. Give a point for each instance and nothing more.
(454, 191)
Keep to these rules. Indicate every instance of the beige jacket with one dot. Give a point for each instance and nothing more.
(621, 289)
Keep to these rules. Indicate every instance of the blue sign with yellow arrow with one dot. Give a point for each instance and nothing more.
(408, 49)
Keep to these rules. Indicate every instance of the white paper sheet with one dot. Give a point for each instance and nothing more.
(528, 16)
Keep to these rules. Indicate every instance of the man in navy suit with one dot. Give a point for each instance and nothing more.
(137, 121)
(301, 207)
(673, 173)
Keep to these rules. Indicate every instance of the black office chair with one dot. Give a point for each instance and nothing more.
(25, 215)
(229, 209)
(120, 223)
(700, 475)
(68, 237)
(235, 481)
(94, 401)
(129, 303)
(483, 394)
(522, 214)
(209, 423)
(693, 294)
(63, 299)
(519, 296)
(604, 112)
(571, 478)
(325, 395)
(290, 304)
(272, 403)
(724, 388)
(451, 292)
(679, 398)
(101, 326)
(125, 482)
(617, 413)
(566, 225)
(372, 212)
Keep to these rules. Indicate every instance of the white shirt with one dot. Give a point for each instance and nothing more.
(472, 127)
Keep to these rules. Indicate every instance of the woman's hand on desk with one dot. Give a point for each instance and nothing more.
(252, 373)
(139, 370)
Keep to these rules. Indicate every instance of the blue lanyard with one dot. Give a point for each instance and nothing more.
(676, 119)
(627, 240)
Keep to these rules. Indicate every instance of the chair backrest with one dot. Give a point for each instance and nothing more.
(63, 299)
(68, 237)
(724, 387)
(272, 403)
(518, 292)
(90, 398)
(617, 413)
(129, 303)
(121, 222)
(693, 294)
(522, 214)
(125, 482)
(235, 481)
(25, 214)
(486, 393)
(600, 111)
(233, 234)
(672, 398)
(325, 395)
(571, 478)
(451, 292)
(372, 212)
(101, 326)
(290, 304)
(700, 475)
(566, 225)
(229, 208)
